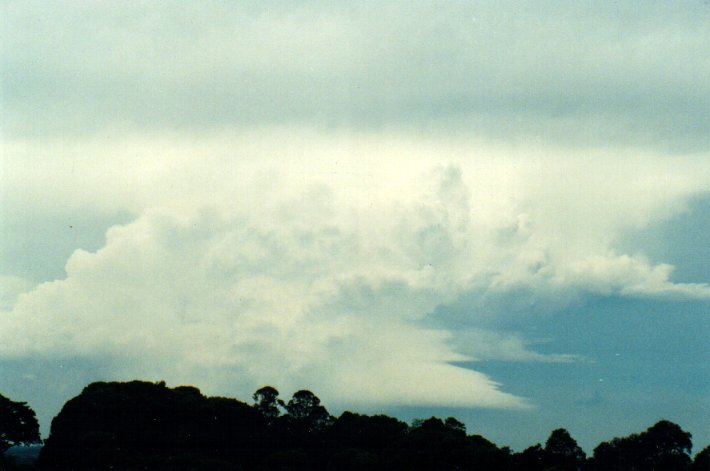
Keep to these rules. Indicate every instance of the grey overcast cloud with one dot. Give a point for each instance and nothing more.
(493, 209)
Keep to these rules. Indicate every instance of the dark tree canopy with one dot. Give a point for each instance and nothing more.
(435, 444)
(302, 404)
(126, 425)
(666, 446)
(148, 426)
(702, 460)
(663, 447)
(18, 424)
(562, 451)
(266, 401)
(533, 458)
(370, 433)
(454, 424)
(305, 408)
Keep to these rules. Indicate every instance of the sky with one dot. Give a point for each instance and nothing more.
(492, 210)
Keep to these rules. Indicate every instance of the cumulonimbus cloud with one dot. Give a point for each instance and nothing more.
(304, 259)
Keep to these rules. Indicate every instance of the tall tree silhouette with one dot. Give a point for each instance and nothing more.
(305, 408)
(562, 452)
(666, 446)
(702, 460)
(433, 444)
(662, 447)
(18, 424)
(266, 401)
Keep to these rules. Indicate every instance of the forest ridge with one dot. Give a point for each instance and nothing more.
(140, 425)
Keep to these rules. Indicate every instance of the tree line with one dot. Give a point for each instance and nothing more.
(137, 425)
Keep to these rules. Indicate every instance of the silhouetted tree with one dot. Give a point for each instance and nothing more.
(372, 433)
(562, 452)
(702, 460)
(433, 444)
(484, 454)
(138, 424)
(365, 442)
(666, 446)
(454, 424)
(305, 408)
(532, 458)
(18, 424)
(662, 447)
(266, 401)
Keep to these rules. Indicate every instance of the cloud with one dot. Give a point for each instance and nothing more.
(632, 276)
(220, 302)
(486, 344)
(300, 258)
(10, 288)
(601, 74)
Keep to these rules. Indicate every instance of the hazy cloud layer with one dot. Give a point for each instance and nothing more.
(300, 258)
(622, 73)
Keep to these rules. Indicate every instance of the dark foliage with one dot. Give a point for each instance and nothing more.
(373, 434)
(18, 424)
(137, 424)
(433, 444)
(532, 458)
(562, 452)
(267, 402)
(662, 447)
(702, 460)
(305, 412)
(148, 426)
